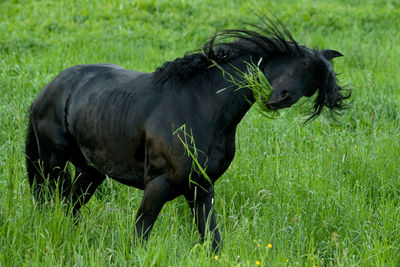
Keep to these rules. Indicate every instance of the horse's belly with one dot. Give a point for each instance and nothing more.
(127, 170)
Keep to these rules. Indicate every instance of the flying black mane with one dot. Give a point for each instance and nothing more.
(273, 38)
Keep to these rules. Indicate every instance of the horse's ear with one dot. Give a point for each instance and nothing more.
(329, 54)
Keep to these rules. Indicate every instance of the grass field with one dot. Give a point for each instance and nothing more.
(319, 194)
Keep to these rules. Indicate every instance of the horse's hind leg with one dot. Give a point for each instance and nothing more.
(48, 150)
(86, 181)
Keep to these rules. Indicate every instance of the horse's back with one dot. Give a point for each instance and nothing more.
(54, 96)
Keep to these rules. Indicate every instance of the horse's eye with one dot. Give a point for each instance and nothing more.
(307, 62)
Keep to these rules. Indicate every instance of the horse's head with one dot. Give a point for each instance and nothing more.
(293, 71)
(294, 75)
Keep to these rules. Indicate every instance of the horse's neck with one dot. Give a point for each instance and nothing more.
(231, 102)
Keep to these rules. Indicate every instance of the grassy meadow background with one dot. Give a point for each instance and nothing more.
(321, 194)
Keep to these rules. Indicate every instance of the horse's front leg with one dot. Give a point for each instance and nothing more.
(156, 194)
(201, 203)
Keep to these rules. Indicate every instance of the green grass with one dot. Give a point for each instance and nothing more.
(321, 194)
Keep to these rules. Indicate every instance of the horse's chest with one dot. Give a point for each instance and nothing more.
(220, 156)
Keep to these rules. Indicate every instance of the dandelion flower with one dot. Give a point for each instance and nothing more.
(269, 245)
(258, 263)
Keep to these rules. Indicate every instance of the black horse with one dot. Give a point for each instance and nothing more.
(112, 122)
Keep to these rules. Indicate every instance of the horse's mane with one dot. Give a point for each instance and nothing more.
(272, 38)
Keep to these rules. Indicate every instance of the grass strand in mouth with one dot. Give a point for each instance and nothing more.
(254, 79)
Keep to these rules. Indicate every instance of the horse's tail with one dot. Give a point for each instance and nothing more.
(35, 172)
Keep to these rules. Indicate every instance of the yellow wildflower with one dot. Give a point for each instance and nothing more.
(258, 263)
(216, 257)
(269, 245)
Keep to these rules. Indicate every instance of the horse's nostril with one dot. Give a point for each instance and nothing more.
(284, 94)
